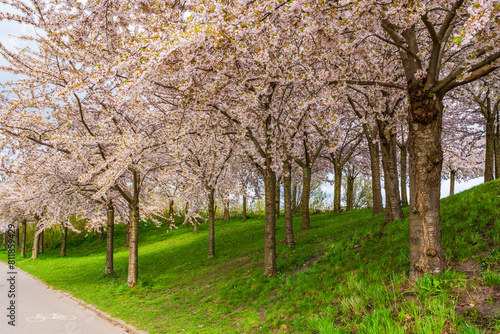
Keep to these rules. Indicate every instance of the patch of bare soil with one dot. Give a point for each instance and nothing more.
(478, 301)
(469, 267)
(307, 264)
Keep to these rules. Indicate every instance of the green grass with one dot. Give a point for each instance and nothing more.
(345, 275)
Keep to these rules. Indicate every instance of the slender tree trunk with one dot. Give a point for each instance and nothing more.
(101, 234)
(490, 148)
(40, 247)
(16, 238)
(23, 240)
(211, 224)
(63, 239)
(244, 212)
(134, 218)
(278, 197)
(426, 160)
(171, 211)
(186, 210)
(270, 223)
(4, 240)
(306, 194)
(404, 180)
(452, 182)
(393, 210)
(133, 265)
(337, 188)
(287, 194)
(36, 241)
(294, 200)
(350, 193)
(226, 211)
(378, 207)
(196, 226)
(110, 239)
(497, 147)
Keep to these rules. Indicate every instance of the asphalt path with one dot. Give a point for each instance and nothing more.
(40, 310)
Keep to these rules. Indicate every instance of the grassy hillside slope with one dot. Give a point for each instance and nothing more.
(345, 275)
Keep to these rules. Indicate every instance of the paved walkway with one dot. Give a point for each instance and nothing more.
(40, 310)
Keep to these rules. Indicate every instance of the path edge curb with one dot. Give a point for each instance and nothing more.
(115, 321)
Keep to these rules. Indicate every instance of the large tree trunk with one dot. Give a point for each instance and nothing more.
(294, 200)
(404, 180)
(337, 188)
(393, 209)
(378, 207)
(63, 240)
(244, 211)
(350, 193)
(211, 224)
(110, 236)
(277, 197)
(4, 239)
(452, 182)
(226, 211)
(306, 194)
(287, 194)
(270, 223)
(426, 160)
(490, 149)
(133, 257)
(23, 240)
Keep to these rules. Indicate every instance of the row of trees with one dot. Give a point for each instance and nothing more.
(120, 108)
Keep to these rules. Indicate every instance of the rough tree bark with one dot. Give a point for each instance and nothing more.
(23, 239)
(244, 211)
(4, 239)
(64, 235)
(270, 222)
(110, 235)
(426, 160)
(452, 182)
(393, 209)
(287, 194)
(211, 223)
